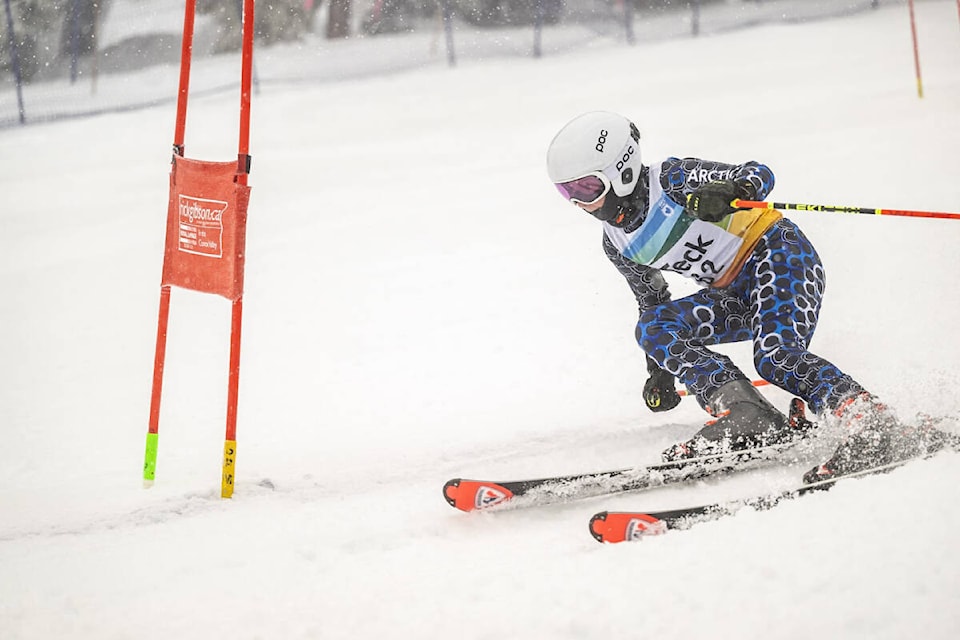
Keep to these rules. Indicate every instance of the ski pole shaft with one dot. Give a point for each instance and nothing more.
(750, 204)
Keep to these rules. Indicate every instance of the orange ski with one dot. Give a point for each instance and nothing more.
(626, 526)
(475, 495)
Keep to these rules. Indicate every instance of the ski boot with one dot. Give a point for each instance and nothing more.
(876, 438)
(744, 419)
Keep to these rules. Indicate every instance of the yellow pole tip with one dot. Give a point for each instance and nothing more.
(147, 484)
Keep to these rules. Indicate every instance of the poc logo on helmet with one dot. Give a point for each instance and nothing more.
(602, 140)
(626, 175)
(626, 156)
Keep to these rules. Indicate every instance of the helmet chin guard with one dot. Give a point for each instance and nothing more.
(597, 141)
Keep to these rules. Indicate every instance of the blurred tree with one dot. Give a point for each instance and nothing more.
(45, 30)
(489, 13)
(274, 21)
(80, 23)
(395, 16)
(338, 22)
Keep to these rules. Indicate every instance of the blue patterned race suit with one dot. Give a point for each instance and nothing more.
(774, 300)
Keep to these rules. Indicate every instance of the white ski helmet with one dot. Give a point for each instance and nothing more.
(597, 141)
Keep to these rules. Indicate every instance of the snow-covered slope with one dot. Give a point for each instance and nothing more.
(420, 304)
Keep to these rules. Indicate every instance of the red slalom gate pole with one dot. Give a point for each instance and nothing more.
(246, 75)
(186, 57)
(233, 396)
(243, 169)
(153, 431)
(789, 206)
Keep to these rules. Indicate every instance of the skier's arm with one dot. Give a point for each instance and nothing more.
(646, 283)
(754, 181)
(707, 187)
(650, 289)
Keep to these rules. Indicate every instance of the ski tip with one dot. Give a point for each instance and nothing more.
(450, 491)
(624, 527)
(597, 528)
(473, 495)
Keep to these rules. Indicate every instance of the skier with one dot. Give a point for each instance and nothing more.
(761, 280)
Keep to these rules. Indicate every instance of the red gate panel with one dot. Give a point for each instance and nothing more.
(206, 228)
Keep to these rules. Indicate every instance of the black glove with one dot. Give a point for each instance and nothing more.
(659, 391)
(711, 202)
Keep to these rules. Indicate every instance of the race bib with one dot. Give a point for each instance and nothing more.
(671, 240)
(704, 252)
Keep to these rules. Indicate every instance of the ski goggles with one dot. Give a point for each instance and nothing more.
(585, 189)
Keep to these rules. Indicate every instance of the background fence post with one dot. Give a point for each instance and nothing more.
(537, 28)
(15, 60)
(447, 12)
(74, 39)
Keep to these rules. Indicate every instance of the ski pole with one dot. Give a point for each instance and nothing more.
(750, 204)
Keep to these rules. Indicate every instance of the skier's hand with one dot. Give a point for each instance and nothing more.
(659, 391)
(711, 202)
